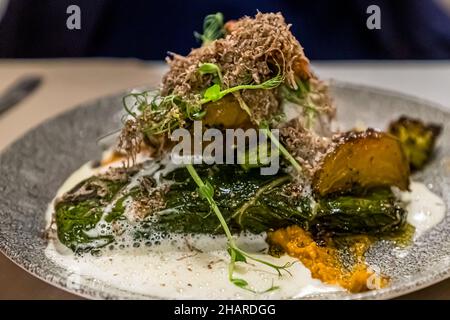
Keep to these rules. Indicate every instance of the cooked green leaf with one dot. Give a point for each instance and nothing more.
(417, 138)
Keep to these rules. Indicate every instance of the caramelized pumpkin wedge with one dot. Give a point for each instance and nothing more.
(362, 160)
(226, 113)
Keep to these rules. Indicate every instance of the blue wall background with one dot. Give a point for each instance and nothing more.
(411, 29)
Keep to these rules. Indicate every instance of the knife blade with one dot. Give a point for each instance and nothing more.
(19, 91)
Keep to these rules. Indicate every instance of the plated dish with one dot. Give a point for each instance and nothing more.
(341, 217)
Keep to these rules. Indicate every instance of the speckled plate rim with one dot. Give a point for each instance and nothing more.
(420, 281)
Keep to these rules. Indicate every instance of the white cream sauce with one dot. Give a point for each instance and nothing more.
(197, 267)
(425, 209)
(169, 271)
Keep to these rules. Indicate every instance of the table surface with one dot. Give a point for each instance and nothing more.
(67, 83)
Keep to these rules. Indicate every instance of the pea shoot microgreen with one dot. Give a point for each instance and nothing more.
(211, 68)
(265, 129)
(213, 93)
(206, 190)
(301, 97)
(212, 28)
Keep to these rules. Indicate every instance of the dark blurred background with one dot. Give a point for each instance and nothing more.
(410, 29)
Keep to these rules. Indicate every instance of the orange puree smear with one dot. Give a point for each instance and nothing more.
(324, 263)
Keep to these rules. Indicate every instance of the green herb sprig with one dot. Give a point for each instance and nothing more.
(265, 129)
(214, 93)
(301, 97)
(211, 68)
(212, 28)
(206, 190)
(160, 114)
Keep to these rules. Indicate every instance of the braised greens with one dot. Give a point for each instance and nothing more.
(417, 139)
(247, 201)
(82, 208)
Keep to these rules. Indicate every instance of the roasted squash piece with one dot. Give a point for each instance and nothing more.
(417, 138)
(226, 113)
(362, 160)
